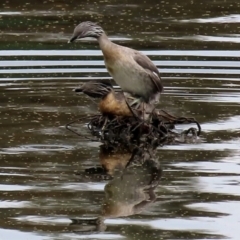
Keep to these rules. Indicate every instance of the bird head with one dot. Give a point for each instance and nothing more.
(95, 89)
(86, 29)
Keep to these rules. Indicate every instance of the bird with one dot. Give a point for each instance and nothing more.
(113, 103)
(133, 71)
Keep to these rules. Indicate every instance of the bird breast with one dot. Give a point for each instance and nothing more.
(129, 76)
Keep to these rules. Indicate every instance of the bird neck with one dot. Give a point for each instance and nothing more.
(104, 42)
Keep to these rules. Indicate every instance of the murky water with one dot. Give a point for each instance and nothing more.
(195, 45)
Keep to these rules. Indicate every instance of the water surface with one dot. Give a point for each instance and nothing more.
(195, 46)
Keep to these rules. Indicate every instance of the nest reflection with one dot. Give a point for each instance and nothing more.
(134, 178)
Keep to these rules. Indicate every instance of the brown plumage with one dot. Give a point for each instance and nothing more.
(133, 72)
(114, 104)
(111, 102)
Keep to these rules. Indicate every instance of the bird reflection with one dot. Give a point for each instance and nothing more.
(131, 188)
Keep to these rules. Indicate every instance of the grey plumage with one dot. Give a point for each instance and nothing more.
(133, 71)
(86, 29)
(95, 89)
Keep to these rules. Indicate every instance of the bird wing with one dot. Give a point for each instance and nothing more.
(150, 68)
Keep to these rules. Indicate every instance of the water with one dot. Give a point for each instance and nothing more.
(195, 46)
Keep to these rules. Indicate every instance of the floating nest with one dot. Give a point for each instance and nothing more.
(130, 131)
(122, 124)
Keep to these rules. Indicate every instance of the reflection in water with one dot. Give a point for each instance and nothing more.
(131, 190)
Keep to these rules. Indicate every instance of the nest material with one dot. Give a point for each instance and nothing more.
(115, 131)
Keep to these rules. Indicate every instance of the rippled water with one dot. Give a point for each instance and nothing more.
(195, 46)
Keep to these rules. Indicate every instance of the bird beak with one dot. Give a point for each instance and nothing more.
(77, 90)
(73, 38)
